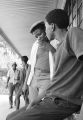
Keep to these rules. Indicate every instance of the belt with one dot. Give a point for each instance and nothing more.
(42, 70)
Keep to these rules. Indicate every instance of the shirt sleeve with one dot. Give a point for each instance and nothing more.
(34, 48)
(29, 61)
(76, 42)
(54, 43)
(8, 74)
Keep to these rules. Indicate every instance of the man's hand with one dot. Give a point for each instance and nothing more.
(36, 100)
(49, 47)
(33, 102)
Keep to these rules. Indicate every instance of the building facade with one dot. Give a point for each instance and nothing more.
(74, 8)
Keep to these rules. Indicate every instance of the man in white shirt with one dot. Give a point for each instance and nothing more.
(38, 30)
(13, 77)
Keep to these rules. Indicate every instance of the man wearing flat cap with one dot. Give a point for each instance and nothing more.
(39, 60)
(13, 77)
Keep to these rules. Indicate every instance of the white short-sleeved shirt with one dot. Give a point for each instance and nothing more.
(32, 59)
(14, 76)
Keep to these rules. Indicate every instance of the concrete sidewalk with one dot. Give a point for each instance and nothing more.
(4, 106)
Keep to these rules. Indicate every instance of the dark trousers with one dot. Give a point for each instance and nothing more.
(11, 90)
(17, 100)
(47, 109)
(12, 87)
(25, 96)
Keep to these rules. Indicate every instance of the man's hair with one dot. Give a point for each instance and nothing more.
(14, 63)
(24, 58)
(37, 25)
(58, 17)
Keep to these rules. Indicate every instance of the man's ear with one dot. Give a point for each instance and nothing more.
(53, 27)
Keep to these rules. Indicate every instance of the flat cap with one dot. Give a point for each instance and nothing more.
(36, 25)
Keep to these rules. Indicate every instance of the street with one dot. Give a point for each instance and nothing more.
(4, 106)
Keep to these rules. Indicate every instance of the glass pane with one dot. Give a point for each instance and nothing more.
(75, 21)
(79, 14)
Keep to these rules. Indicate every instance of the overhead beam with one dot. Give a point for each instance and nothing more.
(8, 41)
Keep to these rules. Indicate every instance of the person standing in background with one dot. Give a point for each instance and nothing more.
(13, 77)
(20, 92)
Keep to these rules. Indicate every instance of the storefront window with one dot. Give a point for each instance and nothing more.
(75, 21)
(79, 14)
(74, 8)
